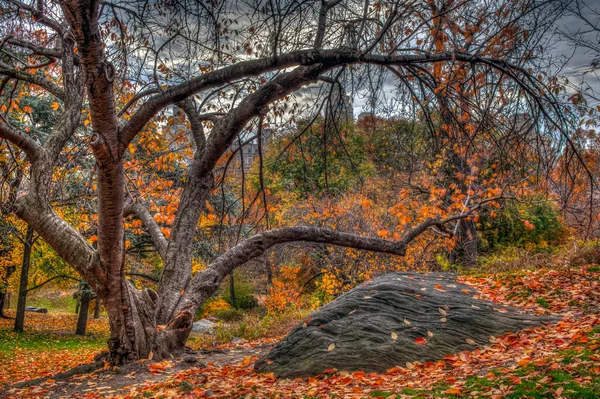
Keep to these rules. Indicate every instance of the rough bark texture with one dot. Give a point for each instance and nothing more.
(86, 298)
(374, 326)
(20, 316)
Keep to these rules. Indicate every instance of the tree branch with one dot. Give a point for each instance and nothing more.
(332, 58)
(158, 238)
(50, 279)
(33, 79)
(29, 146)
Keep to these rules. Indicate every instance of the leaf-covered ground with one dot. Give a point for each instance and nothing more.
(559, 360)
(48, 346)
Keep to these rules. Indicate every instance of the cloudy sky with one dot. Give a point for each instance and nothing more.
(580, 58)
(574, 60)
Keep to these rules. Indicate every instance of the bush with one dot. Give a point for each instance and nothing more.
(244, 294)
(213, 305)
(533, 226)
(229, 315)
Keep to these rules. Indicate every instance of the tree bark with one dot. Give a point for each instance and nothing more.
(4, 297)
(97, 308)
(28, 244)
(232, 289)
(83, 313)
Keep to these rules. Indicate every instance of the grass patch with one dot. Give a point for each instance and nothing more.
(543, 302)
(46, 341)
(250, 325)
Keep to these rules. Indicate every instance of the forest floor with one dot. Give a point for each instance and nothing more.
(560, 360)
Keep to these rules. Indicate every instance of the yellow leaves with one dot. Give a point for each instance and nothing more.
(55, 105)
(470, 341)
(331, 347)
(394, 335)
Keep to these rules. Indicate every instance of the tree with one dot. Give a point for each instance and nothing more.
(110, 70)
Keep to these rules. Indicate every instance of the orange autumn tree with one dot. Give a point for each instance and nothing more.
(226, 71)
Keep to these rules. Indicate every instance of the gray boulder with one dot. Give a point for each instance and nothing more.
(203, 326)
(36, 310)
(391, 320)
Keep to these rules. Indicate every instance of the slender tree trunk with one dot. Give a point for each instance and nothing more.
(20, 317)
(232, 290)
(83, 314)
(2, 303)
(77, 305)
(97, 308)
(269, 271)
(4, 295)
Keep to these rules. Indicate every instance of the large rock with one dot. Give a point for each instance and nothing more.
(35, 310)
(394, 319)
(203, 326)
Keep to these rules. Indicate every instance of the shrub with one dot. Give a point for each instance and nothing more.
(244, 293)
(285, 291)
(213, 305)
(229, 315)
(534, 226)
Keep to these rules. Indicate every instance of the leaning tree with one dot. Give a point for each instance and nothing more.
(111, 68)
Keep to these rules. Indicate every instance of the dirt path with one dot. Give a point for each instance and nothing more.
(119, 381)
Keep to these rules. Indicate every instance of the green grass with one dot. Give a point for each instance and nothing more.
(62, 304)
(543, 302)
(46, 341)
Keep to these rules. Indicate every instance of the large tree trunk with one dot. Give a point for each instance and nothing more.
(138, 336)
(20, 317)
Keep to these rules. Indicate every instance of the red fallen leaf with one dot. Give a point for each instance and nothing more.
(359, 375)
(454, 391)
(514, 379)
(420, 341)
(439, 287)
(583, 340)
(345, 381)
